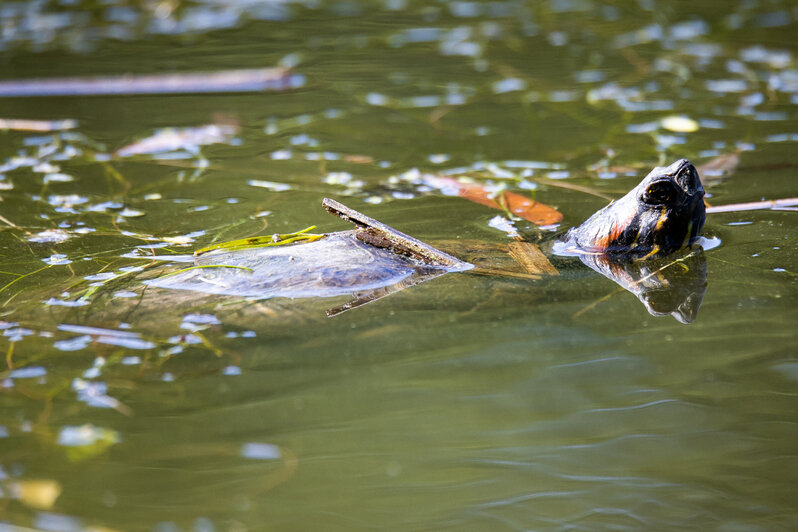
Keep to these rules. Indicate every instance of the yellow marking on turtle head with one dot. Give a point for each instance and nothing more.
(663, 217)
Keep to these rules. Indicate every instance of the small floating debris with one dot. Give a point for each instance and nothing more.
(508, 85)
(53, 302)
(84, 435)
(127, 339)
(31, 372)
(57, 259)
(50, 236)
(271, 185)
(503, 224)
(173, 140)
(66, 201)
(131, 213)
(58, 177)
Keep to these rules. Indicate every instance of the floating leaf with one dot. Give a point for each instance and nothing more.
(679, 124)
(40, 494)
(720, 166)
(526, 208)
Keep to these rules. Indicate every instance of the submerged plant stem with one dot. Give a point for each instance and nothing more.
(22, 276)
(10, 355)
(9, 222)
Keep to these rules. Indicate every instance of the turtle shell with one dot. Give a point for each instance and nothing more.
(335, 265)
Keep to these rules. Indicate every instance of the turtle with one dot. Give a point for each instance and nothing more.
(662, 215)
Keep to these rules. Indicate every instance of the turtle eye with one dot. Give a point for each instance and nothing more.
(659, 193)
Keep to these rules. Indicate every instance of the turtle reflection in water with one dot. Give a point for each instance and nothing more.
(626, 241)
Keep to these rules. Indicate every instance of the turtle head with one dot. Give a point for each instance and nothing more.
(665, 212)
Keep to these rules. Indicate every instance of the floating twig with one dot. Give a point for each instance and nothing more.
(753, 206)
(19, 124)
(244, 80)
(378, 234)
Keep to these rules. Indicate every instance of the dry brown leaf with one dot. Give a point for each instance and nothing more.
(720, 166)
(526, 208)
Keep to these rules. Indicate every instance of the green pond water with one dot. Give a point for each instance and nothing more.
(468, 402)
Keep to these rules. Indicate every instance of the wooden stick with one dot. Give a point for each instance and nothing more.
(245, 80)
(378, 234)
(754, 205)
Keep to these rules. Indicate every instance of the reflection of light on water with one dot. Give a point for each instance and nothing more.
(708, 243)
(260, 451)
(57, 260)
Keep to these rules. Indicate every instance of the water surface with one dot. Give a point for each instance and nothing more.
(468, 402)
